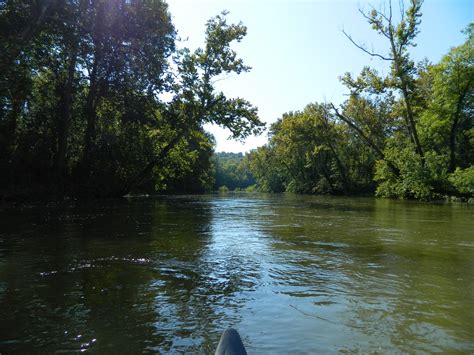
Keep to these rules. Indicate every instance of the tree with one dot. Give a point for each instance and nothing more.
(409, 134)
(312, 152)
(232, 171)
(196, 101)
(447, 121)
(127, 44)
(86, 55)
(371, 120)
(402, 78)
(266, 166)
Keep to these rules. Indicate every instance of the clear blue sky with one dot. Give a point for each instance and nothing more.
(297, 51)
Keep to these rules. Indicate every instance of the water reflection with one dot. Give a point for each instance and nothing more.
(387, 273)
(292, 273)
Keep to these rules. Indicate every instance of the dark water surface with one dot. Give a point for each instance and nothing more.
(293, 274)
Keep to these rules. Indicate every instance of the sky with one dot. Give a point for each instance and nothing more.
(297, 50)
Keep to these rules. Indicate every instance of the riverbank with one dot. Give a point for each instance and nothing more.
(40, 195)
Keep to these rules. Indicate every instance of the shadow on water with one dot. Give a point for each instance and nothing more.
(292, 273)
(128, 276)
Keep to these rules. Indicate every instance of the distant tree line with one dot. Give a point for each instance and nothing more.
(96, 98)
(232, 172)
(408, 134)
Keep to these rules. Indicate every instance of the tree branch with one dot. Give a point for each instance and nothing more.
(371, 21)
(369, 141)
(362, 48)
(402, 10)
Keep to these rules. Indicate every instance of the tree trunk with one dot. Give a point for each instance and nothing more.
(39, 16)
(454, 128)
(341, 168)
(327, 177)
(146, 172)
(412, 123)
(65, 115)
(369, 141)
(410, 117)
(90, 113)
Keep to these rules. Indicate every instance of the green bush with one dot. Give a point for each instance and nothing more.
(223, 189)
(251, 188)
(463, 180)
(415, 179)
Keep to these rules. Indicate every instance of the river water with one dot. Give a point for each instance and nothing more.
(293, 274)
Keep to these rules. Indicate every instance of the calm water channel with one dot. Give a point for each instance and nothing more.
(294, 274)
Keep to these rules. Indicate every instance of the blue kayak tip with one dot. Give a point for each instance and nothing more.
(230, 344)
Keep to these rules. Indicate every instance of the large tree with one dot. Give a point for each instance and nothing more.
(195, 99)
(399, 37)
(447, 122)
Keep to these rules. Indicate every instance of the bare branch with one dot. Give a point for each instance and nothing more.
(221, 79)
(368, 18)
(402, 10)
(362, 48)
(390, 12)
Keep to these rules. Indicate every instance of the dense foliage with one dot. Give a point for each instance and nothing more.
(408, 134)
(96, 99)
(310, 152)
(232, 172)
(82, 98)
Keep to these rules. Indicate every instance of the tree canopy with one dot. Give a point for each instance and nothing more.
(82, 108)
(408, 134)
(98, 98)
